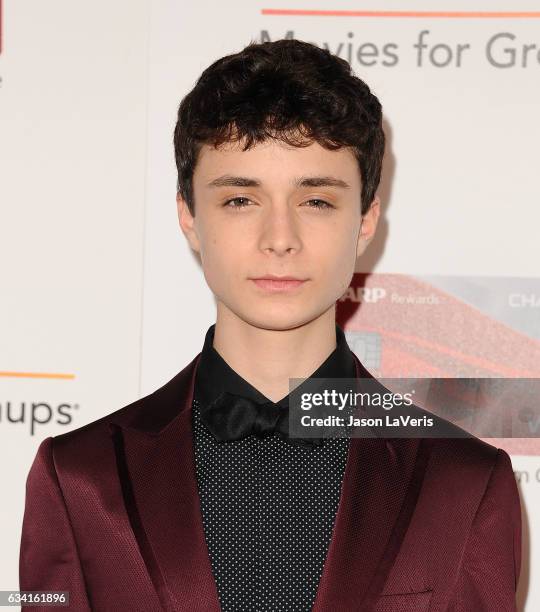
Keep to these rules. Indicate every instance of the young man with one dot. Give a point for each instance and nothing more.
(194, 497)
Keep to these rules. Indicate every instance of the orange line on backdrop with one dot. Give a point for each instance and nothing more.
(443, 14)
(34, 375)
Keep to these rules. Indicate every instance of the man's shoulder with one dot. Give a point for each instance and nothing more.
(149, 412)
(455, 459)
(462, 466)
(453, 447)
(448, 445)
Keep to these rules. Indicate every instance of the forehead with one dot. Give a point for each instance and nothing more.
(276, 161)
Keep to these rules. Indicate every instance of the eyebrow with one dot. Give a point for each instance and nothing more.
(228, 180)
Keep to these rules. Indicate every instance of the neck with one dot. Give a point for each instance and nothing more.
(268, 357)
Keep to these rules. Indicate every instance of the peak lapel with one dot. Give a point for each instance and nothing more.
(380, 486)
(156, 464)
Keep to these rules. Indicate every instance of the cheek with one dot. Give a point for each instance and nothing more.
(221, 259)
(339, 261)
(210, 240)
(336, 250)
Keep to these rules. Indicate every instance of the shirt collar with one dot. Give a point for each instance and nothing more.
(214, 375)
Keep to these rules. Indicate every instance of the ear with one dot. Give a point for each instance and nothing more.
(187, 223)
(369, 225)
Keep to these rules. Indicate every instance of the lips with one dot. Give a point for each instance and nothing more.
(274, 277)
(284, 283)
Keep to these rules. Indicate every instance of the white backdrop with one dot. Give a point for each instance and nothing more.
(102, 300)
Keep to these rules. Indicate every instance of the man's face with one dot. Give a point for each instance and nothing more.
(275, 225)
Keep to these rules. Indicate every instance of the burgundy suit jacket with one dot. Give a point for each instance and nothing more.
(112, 515)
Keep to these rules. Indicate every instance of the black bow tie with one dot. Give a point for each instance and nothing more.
(233, 417)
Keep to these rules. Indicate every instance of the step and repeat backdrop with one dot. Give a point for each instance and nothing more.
(102, 300)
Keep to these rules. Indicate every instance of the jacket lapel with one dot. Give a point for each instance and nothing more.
(155, 459)
(380, 487)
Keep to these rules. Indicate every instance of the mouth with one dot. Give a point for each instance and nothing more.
(286, 283)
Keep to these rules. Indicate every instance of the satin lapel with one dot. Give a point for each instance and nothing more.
(155, 460)
(380, 486)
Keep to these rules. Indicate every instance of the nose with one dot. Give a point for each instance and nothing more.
(280, 231)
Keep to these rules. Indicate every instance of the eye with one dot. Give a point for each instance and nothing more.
(322, 204)
(241, 202)
(227, 202)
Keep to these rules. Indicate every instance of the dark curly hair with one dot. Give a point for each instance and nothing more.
(289, 90)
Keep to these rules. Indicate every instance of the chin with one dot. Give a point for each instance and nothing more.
(279, 319)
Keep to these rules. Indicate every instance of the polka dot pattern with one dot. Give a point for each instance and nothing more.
(268, 511)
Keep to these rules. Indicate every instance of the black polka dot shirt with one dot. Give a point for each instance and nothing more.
(268, 506)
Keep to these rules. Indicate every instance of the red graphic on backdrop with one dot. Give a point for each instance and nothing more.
(412, 329)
